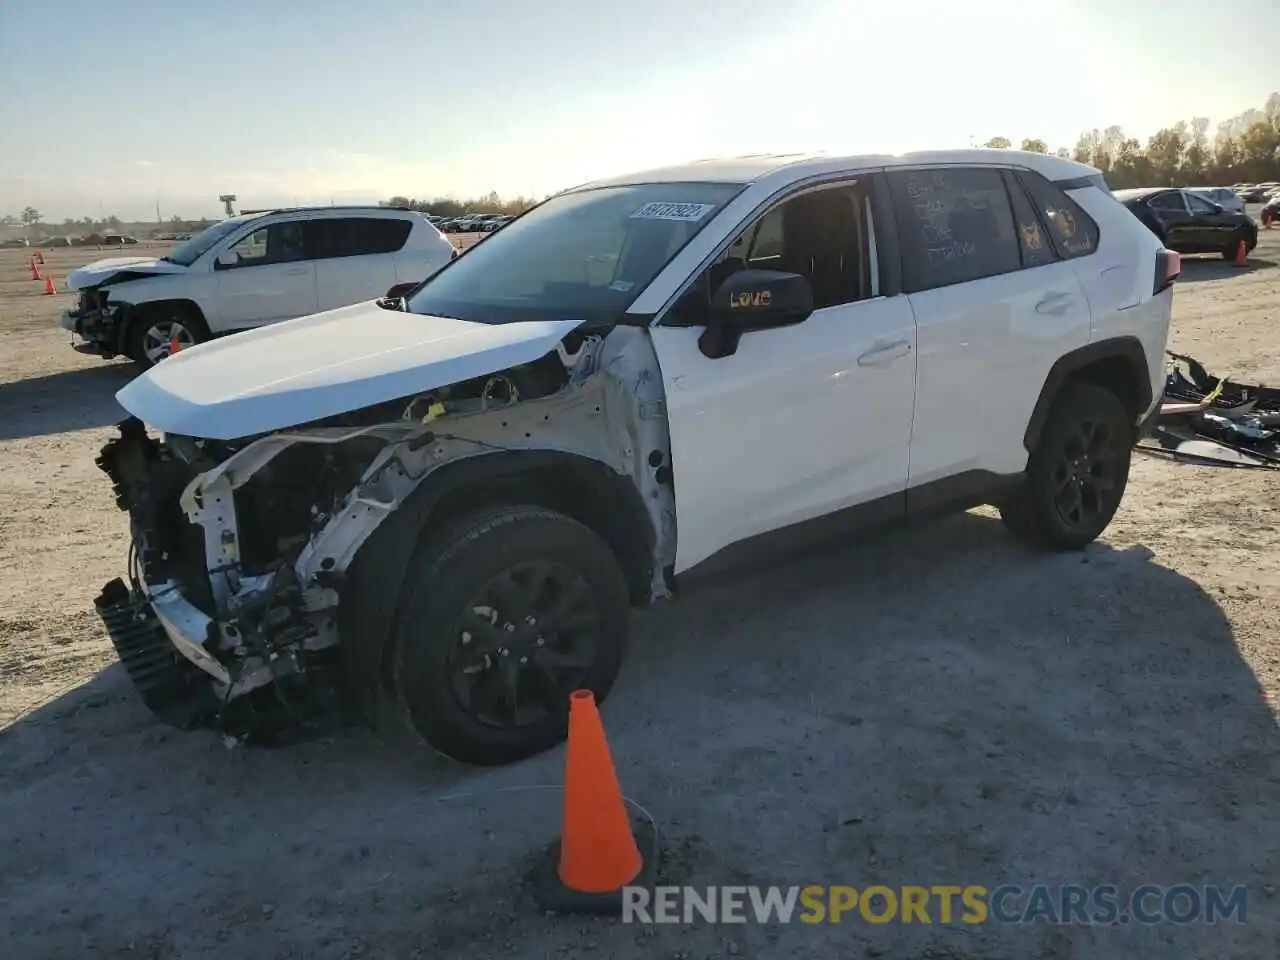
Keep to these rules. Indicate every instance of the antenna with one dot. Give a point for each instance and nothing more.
(227, 199)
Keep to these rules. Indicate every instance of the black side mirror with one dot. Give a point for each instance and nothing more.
(400, 290)
(753, 300)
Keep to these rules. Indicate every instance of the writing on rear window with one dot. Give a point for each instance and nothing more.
(956, 225)
(661, 210)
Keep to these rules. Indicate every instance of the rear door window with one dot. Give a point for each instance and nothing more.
(1072, 231)
(1171, 201)
(1199, 204)
(955, 225)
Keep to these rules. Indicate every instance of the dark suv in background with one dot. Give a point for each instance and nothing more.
(1188, 223)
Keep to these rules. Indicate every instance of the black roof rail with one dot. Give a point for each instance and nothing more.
(326, 206)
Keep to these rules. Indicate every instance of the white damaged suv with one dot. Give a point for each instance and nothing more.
(446, 502)
(247, 271)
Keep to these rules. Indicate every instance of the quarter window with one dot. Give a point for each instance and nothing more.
(955, 225)
(361, 236)
(1072, 231)
(1033, 241)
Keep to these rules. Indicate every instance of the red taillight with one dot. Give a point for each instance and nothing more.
(1168, 267)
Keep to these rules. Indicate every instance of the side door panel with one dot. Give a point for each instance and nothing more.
(1212, 229)
(799, 422)
(986, 348)
(275, 279)
(994, 308)
(1170, 209)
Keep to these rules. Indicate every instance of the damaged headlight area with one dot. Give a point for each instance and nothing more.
(1215, 421)
(213, 608)
(96, 321)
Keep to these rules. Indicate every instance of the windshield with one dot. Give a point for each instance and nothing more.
(579, 256)
(190, 251)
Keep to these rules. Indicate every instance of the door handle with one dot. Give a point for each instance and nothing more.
(1055, 303)
(881, 355)
(296, 271)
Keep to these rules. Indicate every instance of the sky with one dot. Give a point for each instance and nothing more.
(117, 107)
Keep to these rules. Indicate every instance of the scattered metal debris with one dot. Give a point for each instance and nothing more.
(1215, 421)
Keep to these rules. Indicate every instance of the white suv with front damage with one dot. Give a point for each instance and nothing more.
(248, 271)
(446, 502)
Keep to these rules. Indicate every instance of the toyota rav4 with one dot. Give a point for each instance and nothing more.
(446, 501)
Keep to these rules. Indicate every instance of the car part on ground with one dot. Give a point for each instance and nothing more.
(1216, 421)
(435, 508)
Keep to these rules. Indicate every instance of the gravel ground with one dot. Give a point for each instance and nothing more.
(935, 707)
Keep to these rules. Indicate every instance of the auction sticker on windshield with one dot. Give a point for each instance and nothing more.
(663, 210)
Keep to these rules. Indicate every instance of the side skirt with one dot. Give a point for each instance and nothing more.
(928, 501)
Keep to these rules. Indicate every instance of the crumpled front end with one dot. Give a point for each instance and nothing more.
(240, 549)
(95, 323)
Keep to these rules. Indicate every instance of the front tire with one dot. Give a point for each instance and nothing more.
(156, 333)
(507, 613)
(1078, 472)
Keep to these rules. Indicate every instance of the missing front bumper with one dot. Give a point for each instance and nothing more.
(171, 685)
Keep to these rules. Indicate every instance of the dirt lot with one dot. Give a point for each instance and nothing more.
(936, 708)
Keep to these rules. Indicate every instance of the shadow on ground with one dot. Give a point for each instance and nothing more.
(62, 402)
(1198, 269)
(942, 707)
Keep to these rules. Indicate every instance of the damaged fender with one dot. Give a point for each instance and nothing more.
(607, 427)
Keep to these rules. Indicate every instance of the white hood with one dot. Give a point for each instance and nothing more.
(319, 366)
(100, 270)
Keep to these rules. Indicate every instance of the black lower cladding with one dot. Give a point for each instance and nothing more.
(172, 687)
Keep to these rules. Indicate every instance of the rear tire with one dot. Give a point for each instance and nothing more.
(1229, 252)
(507, 613)
(1078, 472)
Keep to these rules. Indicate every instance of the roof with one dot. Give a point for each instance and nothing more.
(751, 168)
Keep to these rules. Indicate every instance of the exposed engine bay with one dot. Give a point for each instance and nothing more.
(239, 549)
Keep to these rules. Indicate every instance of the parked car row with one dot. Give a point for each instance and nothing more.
(1257, 192)
(472, 223)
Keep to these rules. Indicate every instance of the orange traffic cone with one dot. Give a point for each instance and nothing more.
(48, 286)
(597, 855)
(1242, 255)
(35, 271)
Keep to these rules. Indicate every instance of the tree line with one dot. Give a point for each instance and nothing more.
(1244, 149)
(448, 207)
